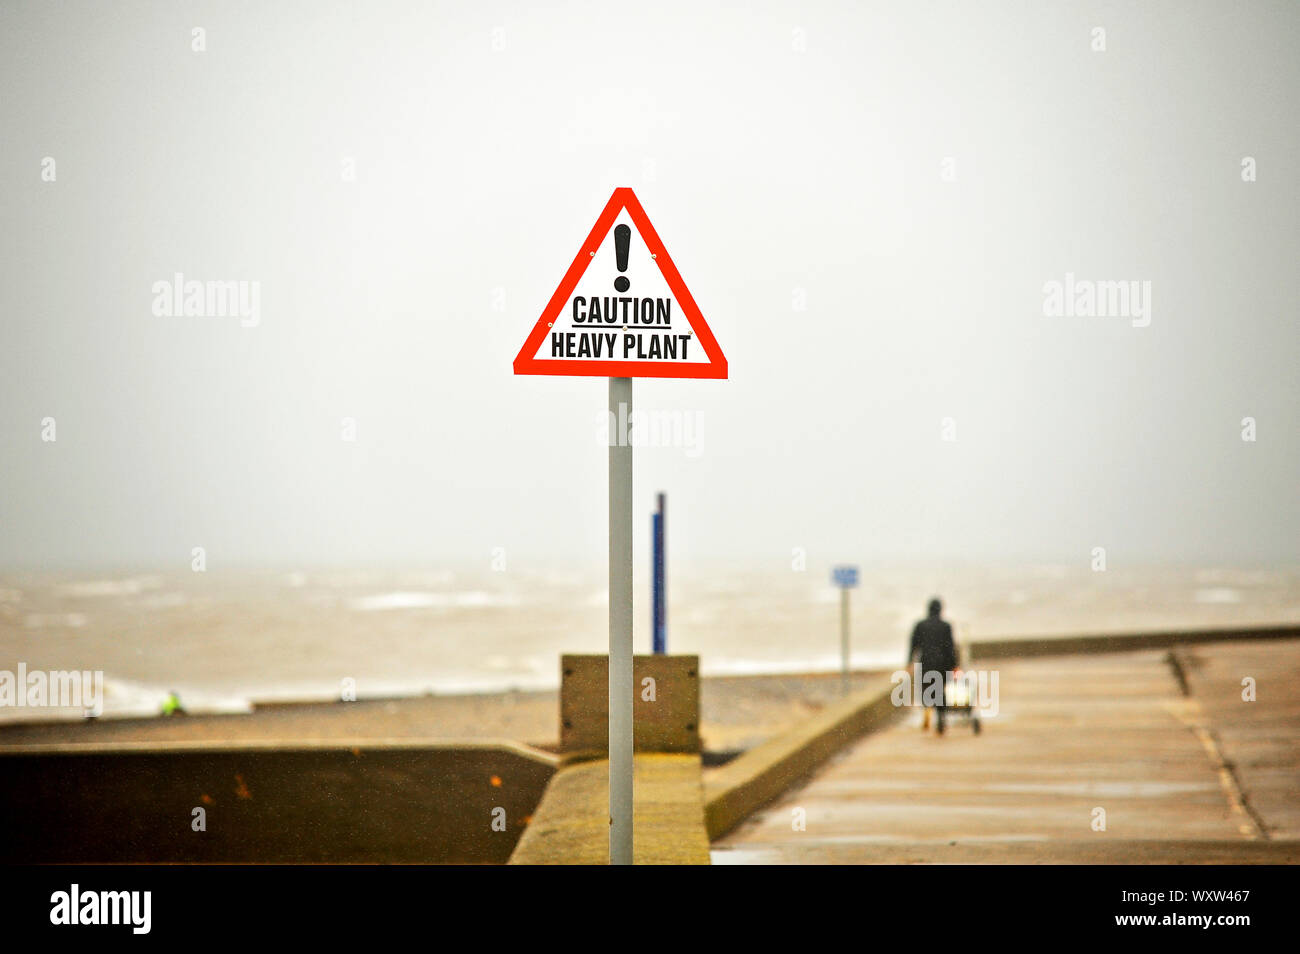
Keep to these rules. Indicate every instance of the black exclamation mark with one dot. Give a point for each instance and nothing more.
(622, 242)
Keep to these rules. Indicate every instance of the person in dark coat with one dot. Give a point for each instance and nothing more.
(932, 645)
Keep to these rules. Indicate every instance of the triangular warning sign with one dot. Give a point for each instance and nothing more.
(622, 310)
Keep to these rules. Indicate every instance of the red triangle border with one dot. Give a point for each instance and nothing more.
(623, 198)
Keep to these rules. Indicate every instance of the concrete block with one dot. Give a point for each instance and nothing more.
(666, 709)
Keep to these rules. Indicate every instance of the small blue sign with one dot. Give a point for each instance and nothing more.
(845, 577)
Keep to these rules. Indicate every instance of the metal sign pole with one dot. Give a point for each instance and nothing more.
(621, 685)
(574, 337)
(845, 577)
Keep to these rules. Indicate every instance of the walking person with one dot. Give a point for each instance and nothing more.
(932, 645)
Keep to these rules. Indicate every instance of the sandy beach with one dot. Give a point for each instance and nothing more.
(738, 712)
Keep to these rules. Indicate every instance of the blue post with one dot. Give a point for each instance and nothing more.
(659, 601)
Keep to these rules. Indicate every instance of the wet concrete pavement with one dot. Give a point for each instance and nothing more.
(1077, 741)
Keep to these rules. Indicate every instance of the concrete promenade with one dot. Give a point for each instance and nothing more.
(1193, 775)
(571, 825)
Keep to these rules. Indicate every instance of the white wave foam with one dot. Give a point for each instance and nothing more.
(1219, 594)
(128, 587)
(422, 600)
(126, 698)
(163, 601)
(55, 620)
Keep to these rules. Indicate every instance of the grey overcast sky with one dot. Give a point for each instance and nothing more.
(792, 157)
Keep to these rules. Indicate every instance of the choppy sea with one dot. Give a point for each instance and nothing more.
(223, 640)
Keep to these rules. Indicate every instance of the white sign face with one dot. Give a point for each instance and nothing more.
(622, 309)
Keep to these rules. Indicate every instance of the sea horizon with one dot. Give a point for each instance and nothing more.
(227, 639)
